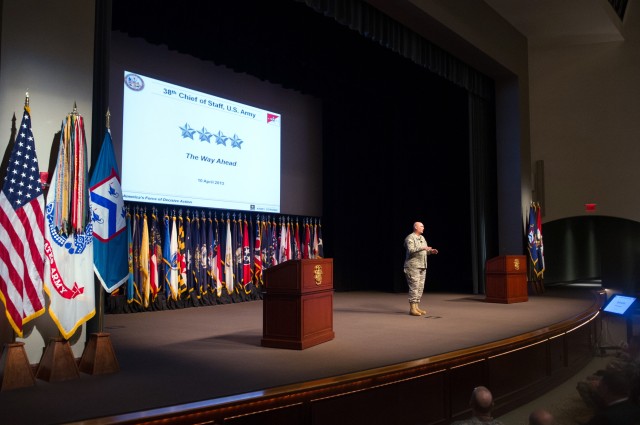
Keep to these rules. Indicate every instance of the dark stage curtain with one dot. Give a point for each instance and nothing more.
(483, 182)
(373, 24)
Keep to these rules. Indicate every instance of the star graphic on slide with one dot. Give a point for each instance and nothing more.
(221, 139)
(236, 142)
(205, 136)
(187, 131)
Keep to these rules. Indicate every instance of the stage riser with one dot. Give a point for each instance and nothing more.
(429, 391)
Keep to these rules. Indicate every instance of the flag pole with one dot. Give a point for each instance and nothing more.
(100, 288)
(99, 356)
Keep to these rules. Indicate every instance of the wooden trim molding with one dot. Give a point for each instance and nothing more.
(431, 390)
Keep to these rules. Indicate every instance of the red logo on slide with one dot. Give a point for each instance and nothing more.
(271, 118)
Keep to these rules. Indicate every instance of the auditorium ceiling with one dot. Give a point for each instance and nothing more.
(551, 22)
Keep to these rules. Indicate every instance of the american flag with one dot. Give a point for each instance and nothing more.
(22, 232)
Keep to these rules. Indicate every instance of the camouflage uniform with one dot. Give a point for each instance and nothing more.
(415, 265)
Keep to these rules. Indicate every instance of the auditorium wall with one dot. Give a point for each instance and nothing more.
(585, 130)
(585, 127)
(46, 49)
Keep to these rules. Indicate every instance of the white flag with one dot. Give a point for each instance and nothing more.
(68, 246)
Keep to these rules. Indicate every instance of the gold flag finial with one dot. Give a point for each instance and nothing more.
(26, 99)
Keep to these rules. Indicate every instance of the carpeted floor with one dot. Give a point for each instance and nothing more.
(182, 356)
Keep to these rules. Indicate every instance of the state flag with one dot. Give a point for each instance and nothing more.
(228, 259)
(217, 266)
(531, 239)
(539, 243)
(307, 241)
(320, 244)
(173, 261)
(131, 283)
(246, 255)
(145, 272)
(315, 241)
(257, 255)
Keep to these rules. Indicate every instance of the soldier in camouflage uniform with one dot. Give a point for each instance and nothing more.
(415, 266)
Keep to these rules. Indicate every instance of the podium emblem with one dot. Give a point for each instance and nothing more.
(516, 263)
(317, 274)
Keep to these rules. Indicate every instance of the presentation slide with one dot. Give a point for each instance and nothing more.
(187, 148)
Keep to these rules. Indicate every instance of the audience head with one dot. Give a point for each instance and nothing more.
(541, 417)
(481, 401)
(614, 385)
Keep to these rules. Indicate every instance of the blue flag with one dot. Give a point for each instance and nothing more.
(166, 257)
(531, 239)
(109, 220)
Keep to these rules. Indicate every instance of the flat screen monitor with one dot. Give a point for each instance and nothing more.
(619, 304)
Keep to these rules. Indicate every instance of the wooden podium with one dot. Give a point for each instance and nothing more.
(506, 279)
(298, 304)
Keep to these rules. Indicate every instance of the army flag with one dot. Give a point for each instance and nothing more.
(69, 280)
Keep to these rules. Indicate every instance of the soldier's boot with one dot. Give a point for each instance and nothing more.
(423, 312)
(414, 310)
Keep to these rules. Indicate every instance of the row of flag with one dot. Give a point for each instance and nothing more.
(195, 258)
(84, 229)
(534, 238)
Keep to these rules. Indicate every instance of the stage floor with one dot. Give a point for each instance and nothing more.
(181, 356)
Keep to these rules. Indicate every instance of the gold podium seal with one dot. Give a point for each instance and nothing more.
(317, 274)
